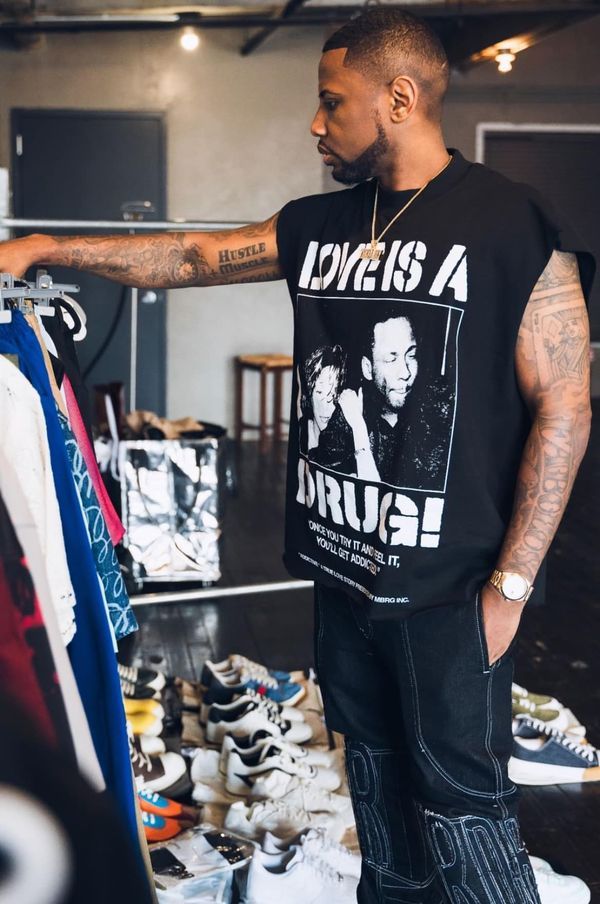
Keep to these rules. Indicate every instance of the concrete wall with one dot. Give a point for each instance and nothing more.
(239, 148)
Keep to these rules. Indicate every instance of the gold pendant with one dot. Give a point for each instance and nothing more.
(371, 252)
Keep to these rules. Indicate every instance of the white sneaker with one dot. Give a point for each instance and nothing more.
(204, 764)
(281, 819)
(250, 745)
(554, 888)
(317, 846)
(248, 715)
(286, 712)
(293, 877)
(298, 792)
(243, 770)
(151, 746)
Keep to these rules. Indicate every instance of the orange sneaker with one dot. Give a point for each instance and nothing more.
(158, 828)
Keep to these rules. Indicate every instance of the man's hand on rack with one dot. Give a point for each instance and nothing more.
(16, 256)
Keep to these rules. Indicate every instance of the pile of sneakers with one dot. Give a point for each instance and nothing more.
(259, 776)
(260, 765)
(156, 770)
(549, 743)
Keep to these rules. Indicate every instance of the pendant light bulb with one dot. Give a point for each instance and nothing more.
(505, 59)
(190, 39)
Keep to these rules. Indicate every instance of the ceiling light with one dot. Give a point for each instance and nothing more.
(505, 59)
(190, 39)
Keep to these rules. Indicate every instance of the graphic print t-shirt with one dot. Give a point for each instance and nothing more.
(407, 424)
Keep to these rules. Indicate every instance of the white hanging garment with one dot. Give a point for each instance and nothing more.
(25, 454)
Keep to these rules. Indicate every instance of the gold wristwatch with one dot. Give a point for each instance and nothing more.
(512, 586)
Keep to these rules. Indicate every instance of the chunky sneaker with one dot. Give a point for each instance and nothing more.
(145, 724)
(292, 876)
(134, 707)
(317, 846)
(239, 682)
(160, 828)
(152, 802)
(243, 770)
(165, 773)
(248, 715)
(298, 792)
(236, 663)
(252, 744)
(133, 691)
(142, 677)
(226, 696)
(545, 756)
(553, 888)
(541, 700)
(280, 819)
(151, 746)
(209, 784)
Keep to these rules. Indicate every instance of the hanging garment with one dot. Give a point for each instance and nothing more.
(113, 522)
(34, 323)
(75, 848)
(62, 337)
(24, 443)
(17, 673)
(91, 649)
(120, 612)
(26, 531)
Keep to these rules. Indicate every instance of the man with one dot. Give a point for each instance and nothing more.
(413, 638)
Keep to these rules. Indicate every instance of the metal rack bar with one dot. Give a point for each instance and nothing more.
(209, 593)
(120, 225)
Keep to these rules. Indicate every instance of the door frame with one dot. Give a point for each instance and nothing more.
(42, 112)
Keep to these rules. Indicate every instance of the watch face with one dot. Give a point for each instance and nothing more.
(514, 587)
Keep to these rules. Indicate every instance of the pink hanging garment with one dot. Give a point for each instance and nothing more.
(113, 522)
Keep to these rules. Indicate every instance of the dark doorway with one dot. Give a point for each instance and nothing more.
(84, 165)
(564, 166)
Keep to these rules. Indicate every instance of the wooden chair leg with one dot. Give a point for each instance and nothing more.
(239, 400)
(263, 410)
(277, 392)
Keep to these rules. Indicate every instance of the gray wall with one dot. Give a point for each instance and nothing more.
(239, 148)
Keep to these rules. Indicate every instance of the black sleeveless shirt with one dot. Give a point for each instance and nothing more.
(405, 502)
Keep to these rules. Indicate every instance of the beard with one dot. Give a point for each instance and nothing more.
(349, 172)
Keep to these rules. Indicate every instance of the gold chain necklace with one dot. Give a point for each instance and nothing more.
(372, 252)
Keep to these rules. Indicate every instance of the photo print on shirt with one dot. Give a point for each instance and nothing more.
(377, 388)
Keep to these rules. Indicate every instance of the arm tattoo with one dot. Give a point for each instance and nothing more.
(553, 370)
(153, 261)
(175, 260)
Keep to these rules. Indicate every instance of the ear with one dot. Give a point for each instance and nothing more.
(404, 95)
(367, 368)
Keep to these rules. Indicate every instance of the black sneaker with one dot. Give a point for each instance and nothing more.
(142, 677)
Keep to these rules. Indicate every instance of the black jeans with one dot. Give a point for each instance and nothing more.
(427, 723)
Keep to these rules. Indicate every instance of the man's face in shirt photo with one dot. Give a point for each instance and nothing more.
(392, 367)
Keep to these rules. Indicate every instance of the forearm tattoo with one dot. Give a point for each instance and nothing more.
(553, 355)
(175, 260)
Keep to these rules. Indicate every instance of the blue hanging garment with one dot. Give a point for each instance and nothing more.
(91, 650)
(119, 609)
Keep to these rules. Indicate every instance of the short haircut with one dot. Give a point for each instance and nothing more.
(385, 42)
(369, 337)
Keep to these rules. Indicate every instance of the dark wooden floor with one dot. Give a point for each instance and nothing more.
(558, 652)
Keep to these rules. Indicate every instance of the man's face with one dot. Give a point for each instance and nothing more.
(324, 396)
(348, 122)
(393, 365)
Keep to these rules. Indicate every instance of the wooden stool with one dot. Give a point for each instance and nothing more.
(264, 364)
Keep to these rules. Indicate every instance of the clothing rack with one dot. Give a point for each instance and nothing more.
(129, 226)
(28, 296)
